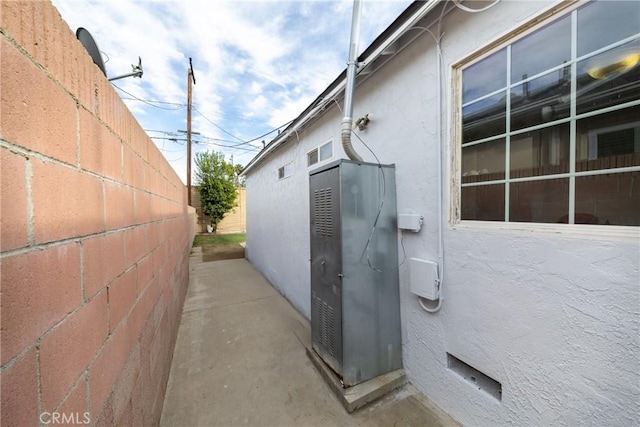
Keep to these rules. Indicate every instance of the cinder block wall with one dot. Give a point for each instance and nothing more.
(95, 237)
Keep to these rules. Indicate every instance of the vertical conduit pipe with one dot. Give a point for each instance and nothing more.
(352, 66)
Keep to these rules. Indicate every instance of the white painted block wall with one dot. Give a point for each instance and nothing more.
(553, 317)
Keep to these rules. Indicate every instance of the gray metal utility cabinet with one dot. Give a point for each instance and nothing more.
(355, 302)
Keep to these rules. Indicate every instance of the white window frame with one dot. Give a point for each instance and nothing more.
(285, 170)
(547, 16)
(318, 150)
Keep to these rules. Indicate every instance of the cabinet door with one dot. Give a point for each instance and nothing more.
(326, 267)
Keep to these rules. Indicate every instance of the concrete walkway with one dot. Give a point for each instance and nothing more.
(240, 360)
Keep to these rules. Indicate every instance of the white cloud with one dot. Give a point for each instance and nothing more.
(258, 64)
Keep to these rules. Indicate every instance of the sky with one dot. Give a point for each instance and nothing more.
(257, 63)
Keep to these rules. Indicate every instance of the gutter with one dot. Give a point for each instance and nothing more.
(376, 50)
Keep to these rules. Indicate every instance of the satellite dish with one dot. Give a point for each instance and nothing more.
(90, 44)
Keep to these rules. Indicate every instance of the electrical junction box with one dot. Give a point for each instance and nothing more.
(423, 278)
(410, 222)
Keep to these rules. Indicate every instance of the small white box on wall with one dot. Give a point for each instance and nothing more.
(411, 222)
(423, 278)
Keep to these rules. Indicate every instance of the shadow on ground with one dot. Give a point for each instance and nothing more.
(222, 252)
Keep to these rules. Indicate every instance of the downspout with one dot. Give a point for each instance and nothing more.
(352, 66)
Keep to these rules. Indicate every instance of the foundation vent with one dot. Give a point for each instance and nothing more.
(475, 377)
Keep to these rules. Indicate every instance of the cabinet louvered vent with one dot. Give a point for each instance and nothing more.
(326, 322)
(322, 208)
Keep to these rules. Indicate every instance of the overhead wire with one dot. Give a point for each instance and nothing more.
(146, 101)
(221, 129)
(271, 131)
(155, 101)
(207, 142)
(176, 140)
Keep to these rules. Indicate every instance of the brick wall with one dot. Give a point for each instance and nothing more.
(233, 222)
(95, 236)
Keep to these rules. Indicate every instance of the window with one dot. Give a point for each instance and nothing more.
(550, 129)
(320, 154)
(285, 171)
(312, 157)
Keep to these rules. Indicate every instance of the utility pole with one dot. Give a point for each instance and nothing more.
(190, 77)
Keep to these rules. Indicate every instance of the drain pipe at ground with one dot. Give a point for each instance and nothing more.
(352, 66)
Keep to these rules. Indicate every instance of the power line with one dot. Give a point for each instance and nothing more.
(228, 147)
(248, 142)
(206, 141)
(271, 131)
(171, 151)
(226, 140)
(176, 140)
(154, 101)
(175, 160)
(145, 101)
(207, 119)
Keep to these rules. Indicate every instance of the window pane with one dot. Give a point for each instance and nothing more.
(541, 152)
(281, 173)
(484, 118)
(544, 49)
(611, 199)
(483, 202)
(483, 162)
(485, 76)
(312, 157)
(545, 201)
(601, 23)
(326, 151)
(609, 140)
(610, 78)
(541, 100)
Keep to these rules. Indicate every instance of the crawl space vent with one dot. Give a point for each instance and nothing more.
(475, 377)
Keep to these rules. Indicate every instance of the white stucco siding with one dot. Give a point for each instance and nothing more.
(554, 317)
(278, 214)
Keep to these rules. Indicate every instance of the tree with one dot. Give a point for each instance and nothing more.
(216, 179)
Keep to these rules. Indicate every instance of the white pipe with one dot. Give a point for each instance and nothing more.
(440, 181)
(440, 62)
(352, 66)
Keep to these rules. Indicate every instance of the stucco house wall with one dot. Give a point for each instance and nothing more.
(550, 314)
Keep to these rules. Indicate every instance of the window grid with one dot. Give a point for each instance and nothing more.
(555, 122)
(572, 119)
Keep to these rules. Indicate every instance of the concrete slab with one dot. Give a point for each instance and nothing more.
(359, 395)
(240, 360)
